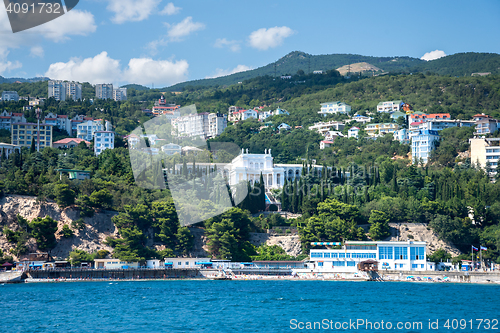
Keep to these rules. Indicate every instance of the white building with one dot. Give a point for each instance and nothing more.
(187, 262)
(248, 167)
(8, 118)
(332, 135)
(353, 132)
(86, 129)
(325, 144)
(402, 135)
(217, 123)
(191, 125)
(422, 144)
(120, 94)
(361, 119)
(389, 106)
(398, 256)
(334, 108)
(379, 129)
(103, 140)
(283, 126)
(241, 115)
(60, 121)
(324, 127)
(104, 91)
(7, 149)
(171, 149)
(263, 115)
(8, 96)
(279, 111)
(114, 264)
(483, 150)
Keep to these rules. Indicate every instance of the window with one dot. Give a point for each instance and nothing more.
(335, 255)
(338, 263)
(179, 263)
(187, 263)
(351, 263)
(385, 252)
(320, 264)
(326, 255)
(414, 266)
(316, 255)
(417, 253)
(400, 253)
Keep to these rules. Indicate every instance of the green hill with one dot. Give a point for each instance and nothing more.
(461, 64)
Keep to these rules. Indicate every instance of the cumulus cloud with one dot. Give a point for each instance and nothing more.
(37, 52)
(223, 72)
(74, 22)
(233, 45)
(182, 29)
(264, 39)
(131, 10)
(433, 55)
(103, 68)
(7, 66)
(170, 9)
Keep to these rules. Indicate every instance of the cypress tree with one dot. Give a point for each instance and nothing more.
(294, 196)
(284, 196)
(32, 148)
(262, 194)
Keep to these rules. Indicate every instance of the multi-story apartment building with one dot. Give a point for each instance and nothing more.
(171, 149)
(334, 108)
(324, 127)
(62, 90)
(390, 106)
(485, 124)
(23, 133)
(360, 119)
(422, 144)
(86, 129)
(60, 121)
(103, 140)
(104, 91)
(8, 118)
(353, 132)
(484, 150)
(10, 96)
(375, 130)
(120, 94)
(73, 90)
(57, 89)
(217, 122)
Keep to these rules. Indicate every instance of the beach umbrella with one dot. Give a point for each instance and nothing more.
(7, 264)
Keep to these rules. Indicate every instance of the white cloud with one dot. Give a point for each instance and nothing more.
(170, 9)
(433, 55)
(263, 39)
(131, 10)
(223, 72)
(100, 68)
(233, 45)
(37, 52)
(184, 28)
(7, 66)
(75, 22)
(159, 72)
(103, 68)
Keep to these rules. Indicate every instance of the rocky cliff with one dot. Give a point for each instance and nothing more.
(90, 239)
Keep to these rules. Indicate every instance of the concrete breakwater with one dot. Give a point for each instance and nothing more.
(115, 274)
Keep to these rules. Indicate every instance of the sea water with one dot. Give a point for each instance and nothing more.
(249, 306)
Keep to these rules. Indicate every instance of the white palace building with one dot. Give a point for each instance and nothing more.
(248, 167)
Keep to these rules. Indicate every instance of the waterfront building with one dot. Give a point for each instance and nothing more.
(390, 106)
(399, 256)
(187, 262)
(334, 108)
(422, 143)
(114, 264)
(22, 134)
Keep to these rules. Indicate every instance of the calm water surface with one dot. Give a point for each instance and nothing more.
(242, 306)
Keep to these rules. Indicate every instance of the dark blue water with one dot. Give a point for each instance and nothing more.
(244, 306)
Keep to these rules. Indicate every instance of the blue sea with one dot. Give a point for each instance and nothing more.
(249, 306)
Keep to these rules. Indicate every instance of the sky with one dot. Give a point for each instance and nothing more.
(158, 43)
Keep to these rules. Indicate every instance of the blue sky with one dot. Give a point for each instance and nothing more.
(162, 42)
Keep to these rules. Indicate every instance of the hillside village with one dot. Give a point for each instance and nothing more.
(88, 169)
